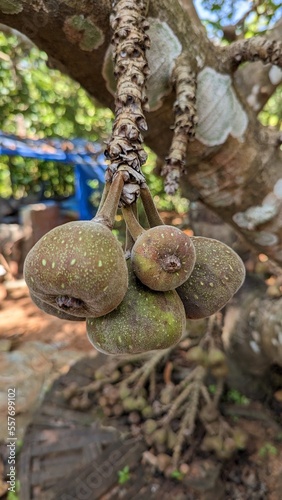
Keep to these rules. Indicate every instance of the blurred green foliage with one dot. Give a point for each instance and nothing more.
(271, 115)
(250, 17)
(38, 102)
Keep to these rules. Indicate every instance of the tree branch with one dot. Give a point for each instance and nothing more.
(188, 6)
(184, 124)
(233, 166)
(251, 50)
(257, 82)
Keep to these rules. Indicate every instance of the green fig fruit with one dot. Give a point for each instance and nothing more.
(145, 320)
(163, 257)
(217, 275)
(47, 308)
(78, 268)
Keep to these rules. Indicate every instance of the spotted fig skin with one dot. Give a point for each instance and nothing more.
(47, 308)
(145, 320)
(163, 257)
(217, 275)
(79, 268)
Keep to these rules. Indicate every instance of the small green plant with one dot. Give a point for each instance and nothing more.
(14, 495)
(212, 388)
(278, 437)
(234, 418)
(267, 449)
(234, 396)
(19, 446)
(176, 474)
(123, 475)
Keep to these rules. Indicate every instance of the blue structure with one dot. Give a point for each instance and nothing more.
(86, 157)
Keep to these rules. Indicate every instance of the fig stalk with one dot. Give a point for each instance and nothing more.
(129, 242)
(107, 213)
(150, 208)
(132, 223)
(104, 196)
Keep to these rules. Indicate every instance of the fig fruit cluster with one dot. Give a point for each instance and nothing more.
(78, 271)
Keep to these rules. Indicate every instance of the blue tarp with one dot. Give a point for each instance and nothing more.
(87, 158)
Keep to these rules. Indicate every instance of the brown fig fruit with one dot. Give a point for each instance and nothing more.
(163, 257)
(217, 275)
(47, 308)
(78, 268)
(145, 320)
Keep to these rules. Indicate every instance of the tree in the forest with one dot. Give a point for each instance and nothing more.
(196, 104)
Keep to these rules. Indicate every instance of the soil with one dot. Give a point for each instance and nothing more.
(22, 321)
(254, 473)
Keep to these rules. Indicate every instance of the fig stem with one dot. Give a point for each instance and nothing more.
(152, 213)
(106, 215)
(129, 239)
(103, 197)
(132, 223)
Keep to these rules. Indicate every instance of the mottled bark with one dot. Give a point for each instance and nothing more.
(241, 183)
(252, 337)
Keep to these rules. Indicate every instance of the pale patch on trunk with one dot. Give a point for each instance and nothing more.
(275, 75)
(220, 112)
(255, 216)
(253, 98)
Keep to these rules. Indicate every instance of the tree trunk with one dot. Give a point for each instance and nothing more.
(234, 164)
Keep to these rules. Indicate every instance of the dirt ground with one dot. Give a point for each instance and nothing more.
(255, 473)
(22, 321)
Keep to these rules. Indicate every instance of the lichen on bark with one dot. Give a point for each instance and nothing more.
(82, 30)
(219, 110)
(11, 6)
